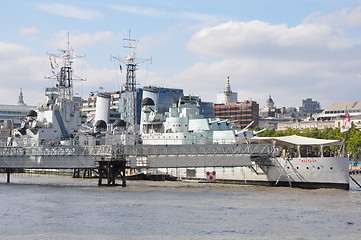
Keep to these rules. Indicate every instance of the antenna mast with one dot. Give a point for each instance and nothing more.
(130, 83)
(64, 77)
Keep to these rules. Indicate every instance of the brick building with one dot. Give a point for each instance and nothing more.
(242, 112)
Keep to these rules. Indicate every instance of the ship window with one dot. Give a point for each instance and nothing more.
(318, 167)
(296, 167)
(306, 167)
(331, 168)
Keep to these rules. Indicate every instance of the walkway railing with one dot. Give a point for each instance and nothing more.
(206, 149)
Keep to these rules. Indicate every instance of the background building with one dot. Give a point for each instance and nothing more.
(242, 113)
(125, 106)
(338, 110)
(11, 117)
(290, 117)
(15, 113)
(269, 109)
(310, 107)
(227, 95)
(163, 97)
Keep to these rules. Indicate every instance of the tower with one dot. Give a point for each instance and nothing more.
(21, 98)
(227, 96)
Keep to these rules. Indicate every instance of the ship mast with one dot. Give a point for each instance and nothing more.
(65, 75)
(130, 83)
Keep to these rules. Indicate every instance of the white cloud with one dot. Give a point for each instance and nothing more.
(27, 72)
(81, 40)
(287, 81)
(289, 63)
(66, 10)
(29, 31)
(152, 12)
(257, 38)
(12, 50)
(347, 17)
(141, 11)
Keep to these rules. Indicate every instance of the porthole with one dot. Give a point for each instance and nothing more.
(306, 167)
(331, 168)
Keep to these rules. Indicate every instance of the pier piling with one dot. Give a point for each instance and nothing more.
(110, 170)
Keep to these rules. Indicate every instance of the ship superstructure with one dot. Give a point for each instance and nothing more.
(183, 125)
(60, 117)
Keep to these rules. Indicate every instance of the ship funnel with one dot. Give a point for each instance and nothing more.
(102, 107)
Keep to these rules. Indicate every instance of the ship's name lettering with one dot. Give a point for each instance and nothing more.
(308, 160)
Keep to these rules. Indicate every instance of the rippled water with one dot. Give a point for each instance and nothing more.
(58, 207)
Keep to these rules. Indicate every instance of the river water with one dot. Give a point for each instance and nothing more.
(60, 207)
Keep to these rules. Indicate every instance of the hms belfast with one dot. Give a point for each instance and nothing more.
(180, 143)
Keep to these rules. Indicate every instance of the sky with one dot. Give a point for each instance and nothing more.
(291, 50)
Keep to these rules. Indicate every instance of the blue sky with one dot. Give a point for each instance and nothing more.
(291, 50)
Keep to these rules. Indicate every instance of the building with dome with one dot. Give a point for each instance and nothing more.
(269, 109)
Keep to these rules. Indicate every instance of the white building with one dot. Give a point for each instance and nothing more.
(227, 96)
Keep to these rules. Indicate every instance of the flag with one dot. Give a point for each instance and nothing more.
(55, 63)
(347, 124)
(51, 63)
(73, 52)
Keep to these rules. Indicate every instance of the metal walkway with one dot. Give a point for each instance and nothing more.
(54, 157)
(137, 156)
(176, 156)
